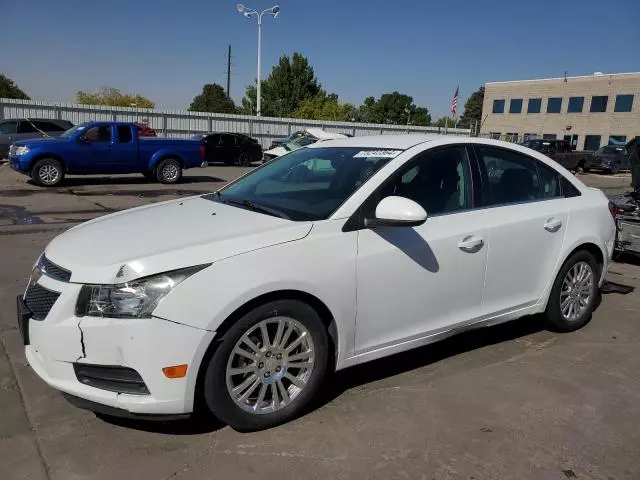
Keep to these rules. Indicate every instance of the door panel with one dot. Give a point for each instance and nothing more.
(527, 219)
(124, 151)
(94, 154)
(526, 241)
(416, 281)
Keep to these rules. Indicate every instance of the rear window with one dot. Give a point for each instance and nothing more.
(8, 127)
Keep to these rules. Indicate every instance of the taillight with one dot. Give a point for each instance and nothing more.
(202, 152)
(613, 210)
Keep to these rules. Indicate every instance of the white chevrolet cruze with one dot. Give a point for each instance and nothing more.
(333, 255)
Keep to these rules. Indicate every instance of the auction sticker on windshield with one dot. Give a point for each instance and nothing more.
(378, 153)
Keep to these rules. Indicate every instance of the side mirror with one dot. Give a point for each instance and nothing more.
(397, 212)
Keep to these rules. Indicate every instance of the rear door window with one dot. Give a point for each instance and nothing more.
(26, 127)
(124, 134)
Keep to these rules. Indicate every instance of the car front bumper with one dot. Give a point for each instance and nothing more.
(62, 340)
(15, 164)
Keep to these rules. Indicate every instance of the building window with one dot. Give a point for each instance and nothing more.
(592, 142)
(534, 105)
(549, 136)
(617, 139)
(512, 137)
(573, 139)
(554, 105)
(498, 106)
(623, 103)
(529, 136)
(515, 106)
(495, 135)
(576, 104)
(599, 104)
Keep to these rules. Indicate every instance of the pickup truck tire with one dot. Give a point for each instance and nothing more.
(169, 171)
(47, 172)
(243, 159)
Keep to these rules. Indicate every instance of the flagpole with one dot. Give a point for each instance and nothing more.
(446, 124)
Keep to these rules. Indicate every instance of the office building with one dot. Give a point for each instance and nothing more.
(589, 111)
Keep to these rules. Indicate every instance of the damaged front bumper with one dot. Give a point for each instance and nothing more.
(57, 342)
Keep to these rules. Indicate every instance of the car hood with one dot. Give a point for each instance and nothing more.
(36, 142)
(278, 151)
(165, 236)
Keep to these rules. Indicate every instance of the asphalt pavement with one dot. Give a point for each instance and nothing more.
(509, 402)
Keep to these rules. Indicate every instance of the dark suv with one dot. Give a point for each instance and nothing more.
(24, 128)
(561, 152)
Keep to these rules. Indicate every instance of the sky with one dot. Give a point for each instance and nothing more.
(167, 49)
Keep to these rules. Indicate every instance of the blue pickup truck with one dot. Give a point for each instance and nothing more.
(107, 148)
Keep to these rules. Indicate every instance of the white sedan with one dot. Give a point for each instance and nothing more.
(242, 301)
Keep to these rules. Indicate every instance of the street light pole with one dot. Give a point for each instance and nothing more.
(249, 12)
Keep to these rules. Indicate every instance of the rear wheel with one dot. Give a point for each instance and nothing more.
(243, 159)
(574, 293)
(268, 367)
(47, 172)
(169, 170)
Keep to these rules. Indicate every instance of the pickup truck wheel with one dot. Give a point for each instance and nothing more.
(47, 172)
(169, 171)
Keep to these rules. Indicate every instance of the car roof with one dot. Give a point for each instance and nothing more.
(400, 142)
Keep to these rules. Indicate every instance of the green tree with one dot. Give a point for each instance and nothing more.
(290, 82)
(393, 108)
(444, 122)
(325, 107)
(212, 99)
(472, 109)
(8, 89)
(113, 97)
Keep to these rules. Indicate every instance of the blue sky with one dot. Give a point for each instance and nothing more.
(167, 49)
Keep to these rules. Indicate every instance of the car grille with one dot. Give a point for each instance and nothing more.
(39, 300)
(54, 271)
(111, 378)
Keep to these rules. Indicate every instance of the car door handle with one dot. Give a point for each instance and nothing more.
(471, 244)
(553, 225)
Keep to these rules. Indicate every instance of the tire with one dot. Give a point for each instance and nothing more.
(562, 318)
(47, 172)
(270, 369)
(243, 159)
(169, 171)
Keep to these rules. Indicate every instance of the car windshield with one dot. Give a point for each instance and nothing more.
(299, 143)
(308, 184)
(610, 150)
(73, 130)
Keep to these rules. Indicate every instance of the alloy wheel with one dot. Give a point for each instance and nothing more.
(270, 365)
(170, 172)
(576, 291)
(48, 174)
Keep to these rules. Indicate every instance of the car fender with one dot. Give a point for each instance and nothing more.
(28, 160)
(211, 296)
(160, 155)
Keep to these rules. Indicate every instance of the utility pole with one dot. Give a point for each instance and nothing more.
(229, 73)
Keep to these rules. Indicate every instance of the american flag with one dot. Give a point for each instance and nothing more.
(454, 103)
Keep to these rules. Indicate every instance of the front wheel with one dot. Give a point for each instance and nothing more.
(169, 170)
(268, 367)
(47, 172)
(574, 293)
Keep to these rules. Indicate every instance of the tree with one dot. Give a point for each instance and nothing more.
(393, 108)
(290, 82)
(212, 99)
(325, 107)
(472, 109)
(113, 96)
(8, 89)
(445, 122)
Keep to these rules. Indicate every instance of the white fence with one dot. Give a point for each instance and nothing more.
(182, 123)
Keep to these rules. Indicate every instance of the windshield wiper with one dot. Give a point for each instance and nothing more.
(255, 207)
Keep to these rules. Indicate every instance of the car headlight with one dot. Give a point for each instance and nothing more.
(14, 150)
(136, 299)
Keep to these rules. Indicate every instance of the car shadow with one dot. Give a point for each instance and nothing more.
(196, 424)
(412, 244)
(81, 181)
(428, 355)
(628, 258)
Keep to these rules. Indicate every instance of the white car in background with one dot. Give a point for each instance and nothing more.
(336, 254)
(304, 138)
